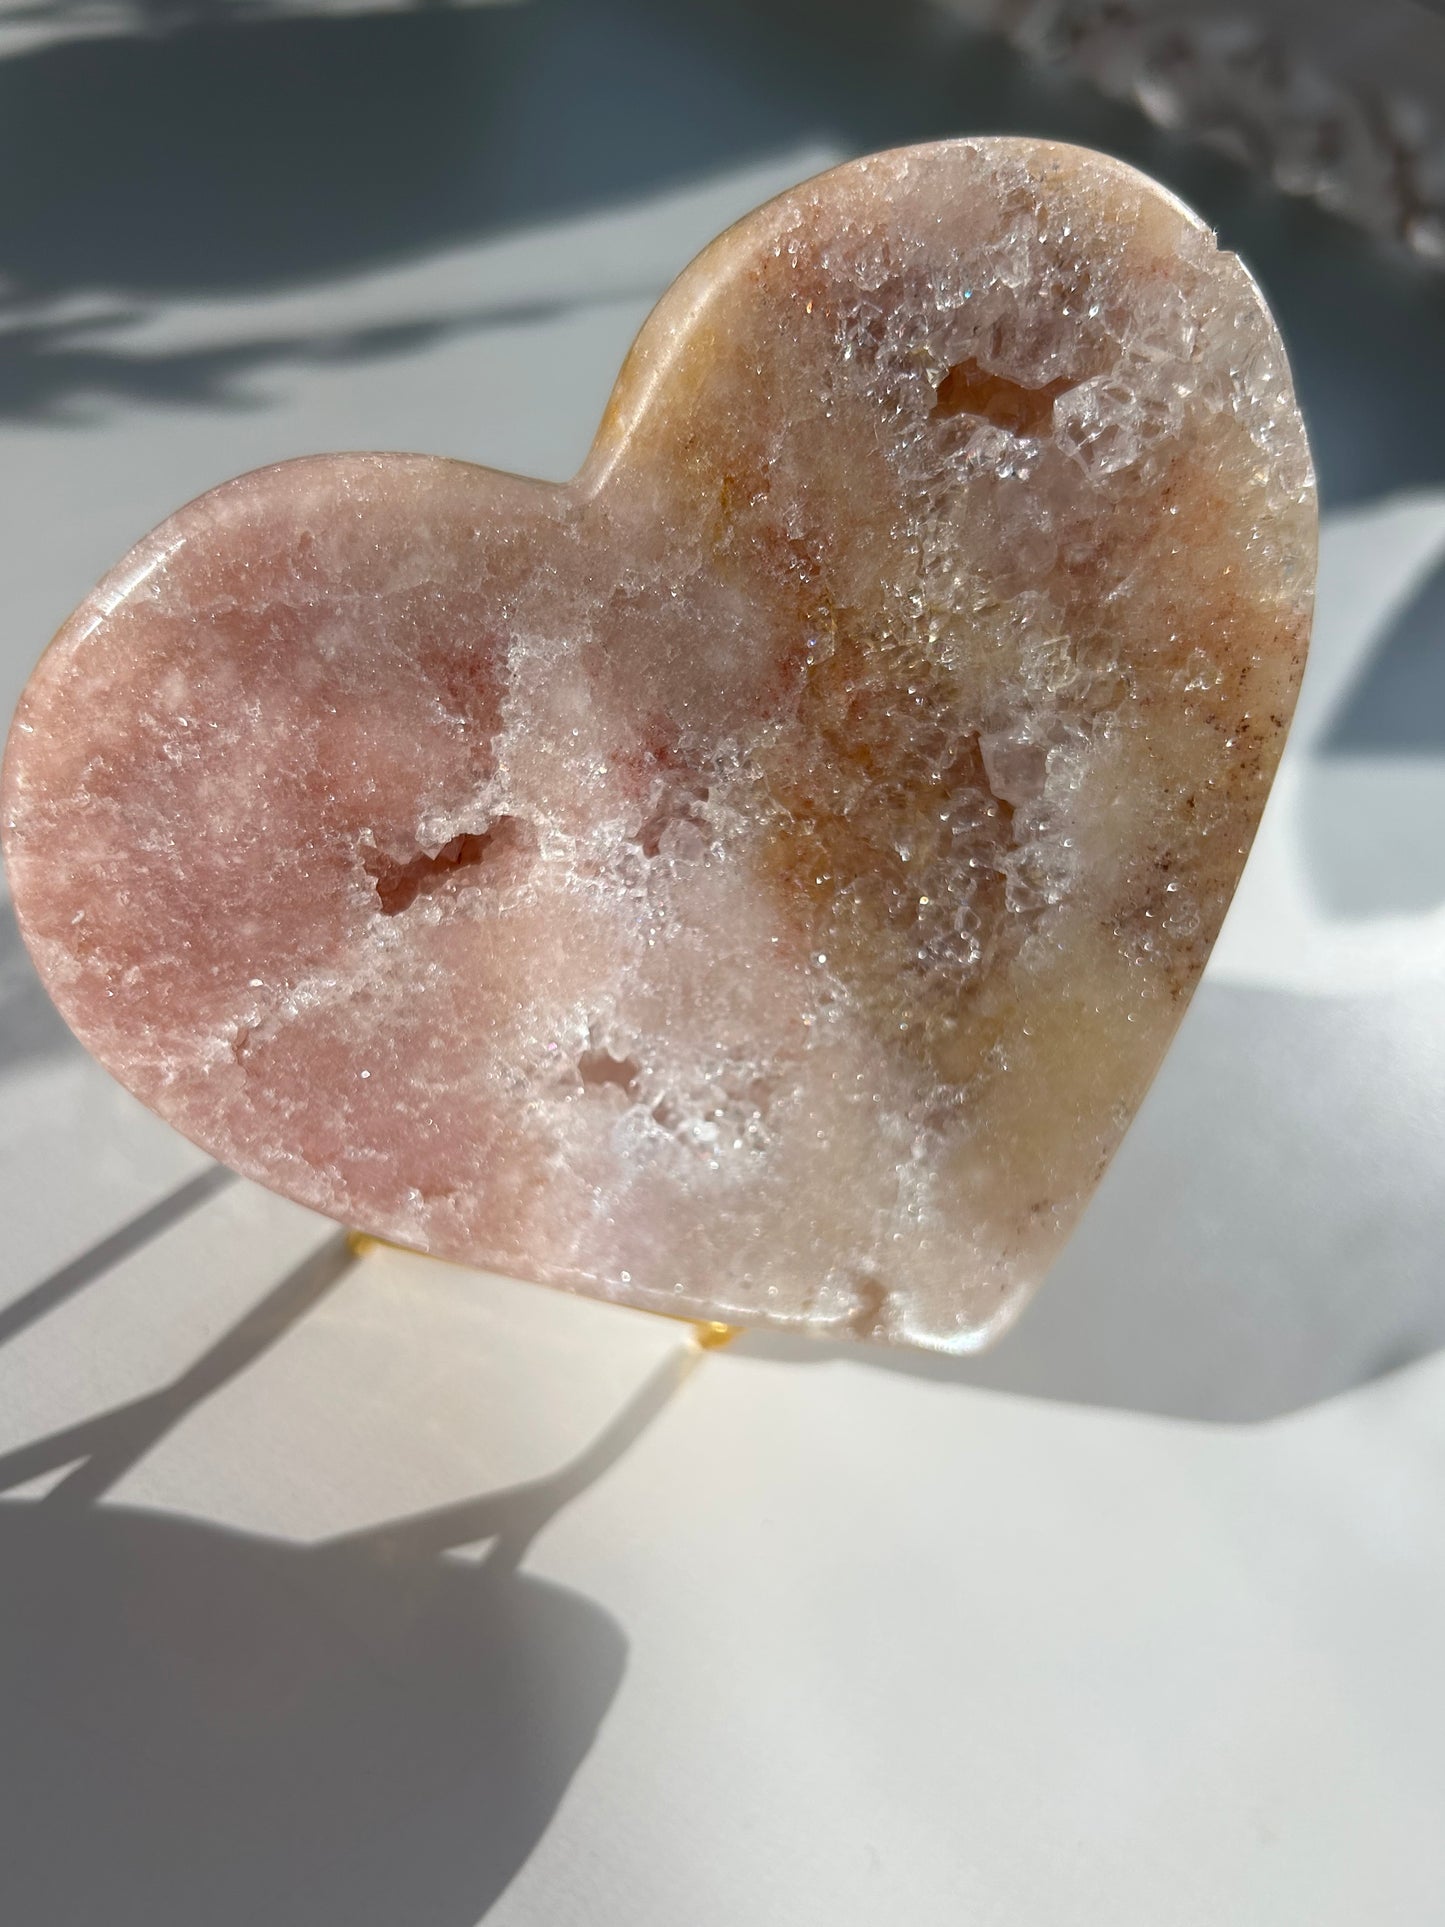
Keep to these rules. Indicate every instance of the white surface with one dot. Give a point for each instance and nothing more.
(807, 1637)
(869, 1647)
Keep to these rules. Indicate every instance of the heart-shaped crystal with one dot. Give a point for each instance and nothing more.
(758, 879)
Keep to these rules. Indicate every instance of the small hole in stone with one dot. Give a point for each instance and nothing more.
(600, 1070)
(968, 389)
(871, 1316)
(399, 884)
(680, 806)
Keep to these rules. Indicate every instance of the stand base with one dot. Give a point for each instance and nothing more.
(708, 1334)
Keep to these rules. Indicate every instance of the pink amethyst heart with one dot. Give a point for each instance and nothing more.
(758, 879)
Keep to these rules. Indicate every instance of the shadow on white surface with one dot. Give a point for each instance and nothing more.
(358, 1733)
(43, 365)
(1375, 790)
(211, 1727)
(91, 1265)
(514, 117)
(1396, 705)
(387, 135)
(1268, 1236)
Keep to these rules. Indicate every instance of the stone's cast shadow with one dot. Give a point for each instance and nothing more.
(1396, 705)
(1240, 1262)
(1374, 791)
(210, 1727)
(204, 1726)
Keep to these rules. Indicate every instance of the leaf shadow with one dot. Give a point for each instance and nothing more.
(390, 134)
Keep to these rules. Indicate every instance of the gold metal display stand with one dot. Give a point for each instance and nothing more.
(708, 1334)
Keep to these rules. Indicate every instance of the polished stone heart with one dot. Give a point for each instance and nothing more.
(758, 879)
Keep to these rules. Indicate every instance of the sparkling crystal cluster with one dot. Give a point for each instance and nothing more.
(759, 878)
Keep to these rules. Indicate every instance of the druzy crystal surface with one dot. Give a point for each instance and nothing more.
(758, 879)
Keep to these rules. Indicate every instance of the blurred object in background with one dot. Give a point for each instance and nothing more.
(35, 23)
(1339, 101)
(1342, 101)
